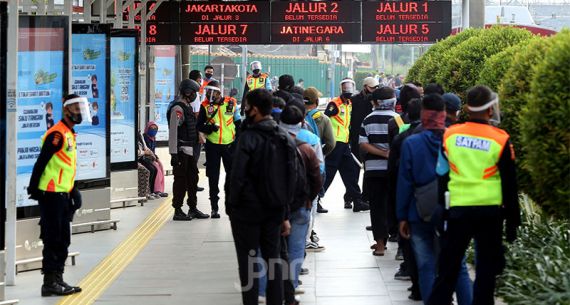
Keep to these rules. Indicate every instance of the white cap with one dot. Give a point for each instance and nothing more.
(371, 82)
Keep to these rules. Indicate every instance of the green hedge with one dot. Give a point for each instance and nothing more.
(426, 67)
(496, 66)
(460, 67)
(545, 131)
(537, 267)
(514, 93)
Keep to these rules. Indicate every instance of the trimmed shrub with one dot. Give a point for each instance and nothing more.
(544, 129)
(497, 65)
(460, 67)
(426, 67)
(514, 93)
(538, 265)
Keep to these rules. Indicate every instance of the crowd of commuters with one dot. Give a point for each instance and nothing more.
(430, 182)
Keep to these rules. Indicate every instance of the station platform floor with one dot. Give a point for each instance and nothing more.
(152, 260)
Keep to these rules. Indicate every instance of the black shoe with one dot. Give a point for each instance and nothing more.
(200, 189)
(51, 287)
(347, 205)
(415, 297)
(59, 280)
(195, 213)
(215, 215)
(393, 238)
(179, 215)
(360, 206)
(304, 271)
(402, 275)
(320, 208)
(400, 255)
(368, 228)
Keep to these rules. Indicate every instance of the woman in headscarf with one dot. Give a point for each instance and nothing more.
(150, 140)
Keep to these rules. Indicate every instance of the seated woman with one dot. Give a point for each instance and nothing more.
(150, 141)
(146, 159)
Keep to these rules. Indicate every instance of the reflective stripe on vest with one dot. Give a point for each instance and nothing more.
(59, 174)
(224, 118)
(473, 151)
(341, 121)
(257, 82)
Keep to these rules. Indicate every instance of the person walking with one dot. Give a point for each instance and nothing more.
(341, 158)
(261, 193)
(182, 138)
(52, 184)
(374, 145)
(219, 120)
(479, 160)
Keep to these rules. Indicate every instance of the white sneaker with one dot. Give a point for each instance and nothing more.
(261, 300)
(314, 247)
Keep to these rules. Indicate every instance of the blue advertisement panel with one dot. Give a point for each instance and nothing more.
(123, 99)
(89, 79)
(40, 91)
(165, 86)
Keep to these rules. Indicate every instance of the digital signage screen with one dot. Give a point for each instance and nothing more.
(223, 33)
(164, 87)
(225, 12)
(42, 77)
(406, 11)
(314, 33)
(89, 68)
(331, 11)
(162, 33)
(404, 32)
(123, 101)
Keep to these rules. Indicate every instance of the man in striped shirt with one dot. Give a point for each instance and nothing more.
(374, 142)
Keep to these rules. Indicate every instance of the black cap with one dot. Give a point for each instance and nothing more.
(188, 86)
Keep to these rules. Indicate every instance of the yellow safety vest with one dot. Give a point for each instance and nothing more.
(473, 151)
(341, 121)
(257, 82)
(59, 174)
(224, 118)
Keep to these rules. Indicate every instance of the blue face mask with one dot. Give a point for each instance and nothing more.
(152, 132)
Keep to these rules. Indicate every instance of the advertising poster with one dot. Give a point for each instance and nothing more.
(123, 99)
(40, 83)
(164, 87)
(89, 79)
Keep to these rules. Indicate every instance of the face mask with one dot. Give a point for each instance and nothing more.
(208, 75)
(192, 96)
(347, 95)
(256, 72)
(76, 118)
(152, 132)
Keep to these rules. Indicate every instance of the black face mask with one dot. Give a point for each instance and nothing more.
(191, 97)
(76, 118)
(209, 75)
(256, 72)
(346, 95)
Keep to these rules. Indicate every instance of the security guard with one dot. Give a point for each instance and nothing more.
(218, 119)
(482, 193)
(341, 158)
(181, 140)
(256, 80)
(52, 184)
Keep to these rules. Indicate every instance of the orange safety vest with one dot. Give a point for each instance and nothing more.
(257, 82)
(204, 84)
(341, 121)
(59, 174)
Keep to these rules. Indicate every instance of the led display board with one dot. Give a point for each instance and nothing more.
(300, 22)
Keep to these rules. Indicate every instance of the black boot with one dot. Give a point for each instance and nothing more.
(59, 280)
(51, 287)
(195, 213)
(360, 205)
(320, 208)
(180, 215)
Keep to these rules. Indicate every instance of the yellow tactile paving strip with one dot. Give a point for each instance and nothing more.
(104, 274)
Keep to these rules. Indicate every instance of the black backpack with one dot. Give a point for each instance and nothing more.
(277, 181)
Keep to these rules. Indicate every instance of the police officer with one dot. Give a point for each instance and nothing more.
(52, 184)
(256, 80)
(482, 193)
(218, 119)
(182, 138)
(341, 158)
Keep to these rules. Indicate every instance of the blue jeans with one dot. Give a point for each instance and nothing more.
(299, 220)
(425, 244)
